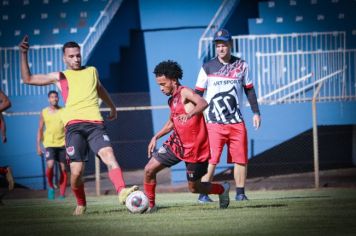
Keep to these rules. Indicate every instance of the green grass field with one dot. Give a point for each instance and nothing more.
(292, 212)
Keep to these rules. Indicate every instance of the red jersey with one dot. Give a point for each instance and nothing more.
(189, 140)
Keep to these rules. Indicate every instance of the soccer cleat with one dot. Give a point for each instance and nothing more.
(79, 210)
(51, 194)
(125, 192)
(204, 198)
(62, 198)
(10, 179)
(151, 210)
(241, 197)
(224, 198)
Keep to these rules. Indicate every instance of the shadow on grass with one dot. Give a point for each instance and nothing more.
(106, 211)
(296, 197)
(191, 206)
(259, 206)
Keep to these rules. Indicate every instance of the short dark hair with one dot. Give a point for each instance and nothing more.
(170, 69)
(70, 44)
(51, 92)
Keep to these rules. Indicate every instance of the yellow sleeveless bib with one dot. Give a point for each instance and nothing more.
(82, 101)
(54, 129)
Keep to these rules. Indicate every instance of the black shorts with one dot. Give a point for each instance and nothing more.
(195, 171)
(82, 136)
(56, 154)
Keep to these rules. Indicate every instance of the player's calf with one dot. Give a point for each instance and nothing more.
(10, 179)
(224, 198)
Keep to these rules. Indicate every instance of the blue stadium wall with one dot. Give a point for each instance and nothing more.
(142, 34)
(147, 32)
(283, 122)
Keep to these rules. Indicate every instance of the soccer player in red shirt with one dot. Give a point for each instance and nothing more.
(188, 142)
(5, 170)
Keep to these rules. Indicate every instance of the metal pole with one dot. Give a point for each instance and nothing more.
(43, 165)
(97, 175)
(315, 137)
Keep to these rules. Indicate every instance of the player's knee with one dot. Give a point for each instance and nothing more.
(75, 180)
(106, 153)
(149, 171)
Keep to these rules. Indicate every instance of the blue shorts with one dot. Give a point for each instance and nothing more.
(82, 136)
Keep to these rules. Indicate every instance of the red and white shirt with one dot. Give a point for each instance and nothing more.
(223, 86)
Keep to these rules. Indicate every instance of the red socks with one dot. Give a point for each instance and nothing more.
(80, 195)
(3, 170)
(115, 175)
(63, 183)
(49, 174)
(150, 191)
(216, 189)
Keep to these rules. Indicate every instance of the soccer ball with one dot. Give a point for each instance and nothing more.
(137, 202)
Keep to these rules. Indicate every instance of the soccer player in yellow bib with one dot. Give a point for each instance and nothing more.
(52, 138)
(84, 125)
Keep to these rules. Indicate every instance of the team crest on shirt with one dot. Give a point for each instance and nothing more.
(106, 138)
(224, 107)
(175, 102)
(70, 150)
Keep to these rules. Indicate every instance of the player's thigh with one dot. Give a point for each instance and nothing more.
(62, 158)
(218, 137)
(165, 156)
(237, 144)
(153, 166)
(99, 141)
(50, 155)
(76, 145)
(195, 171)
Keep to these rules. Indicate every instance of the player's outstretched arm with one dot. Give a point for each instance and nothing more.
(104, 95)
(4, 102)
(199, 104)
(168, 127)
(27, 77)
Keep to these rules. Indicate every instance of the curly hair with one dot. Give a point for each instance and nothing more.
(170, 69)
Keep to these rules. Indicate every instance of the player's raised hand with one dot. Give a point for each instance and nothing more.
(151, 147)
(24, 45)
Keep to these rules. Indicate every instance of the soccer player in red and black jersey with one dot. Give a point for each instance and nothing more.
(5, 170)
(188, 141)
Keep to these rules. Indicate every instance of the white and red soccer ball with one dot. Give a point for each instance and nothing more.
(137, 202)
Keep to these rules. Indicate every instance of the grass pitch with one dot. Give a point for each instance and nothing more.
(292, 212)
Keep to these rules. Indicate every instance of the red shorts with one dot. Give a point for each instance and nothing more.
(234, 135)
